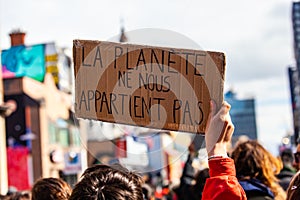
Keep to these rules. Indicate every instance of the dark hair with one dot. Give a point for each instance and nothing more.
(51, 189)
(102, 182)
(147, 191)
(23, 195)
(287, 155)
(298, 140)
(200, 178)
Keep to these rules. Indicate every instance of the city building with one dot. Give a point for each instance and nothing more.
(296, 31)
(295, 101)
(242, 115)
(43, 139)
(293, 71)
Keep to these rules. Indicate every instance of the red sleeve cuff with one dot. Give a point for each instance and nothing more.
(221, 166)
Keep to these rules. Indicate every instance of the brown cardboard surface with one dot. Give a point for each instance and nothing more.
(155, 87)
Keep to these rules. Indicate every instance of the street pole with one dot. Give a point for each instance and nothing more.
(3, 158)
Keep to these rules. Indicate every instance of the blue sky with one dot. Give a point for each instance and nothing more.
(256, 37)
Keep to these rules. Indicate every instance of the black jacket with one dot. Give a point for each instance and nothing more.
(285, 176)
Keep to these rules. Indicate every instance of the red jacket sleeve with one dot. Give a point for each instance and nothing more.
(222, 184)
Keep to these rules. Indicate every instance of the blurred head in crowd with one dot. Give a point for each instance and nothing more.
(253, 161)
(297, 157)
(25, 195)
(148, 192)
(200, 179)
(287, 157)
(50, 189)
(101, 182)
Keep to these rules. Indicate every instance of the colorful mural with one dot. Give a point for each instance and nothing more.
(30, 61)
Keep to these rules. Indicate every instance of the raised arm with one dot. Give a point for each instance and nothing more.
(222, 183)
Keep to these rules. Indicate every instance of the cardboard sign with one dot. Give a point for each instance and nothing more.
(155, 87)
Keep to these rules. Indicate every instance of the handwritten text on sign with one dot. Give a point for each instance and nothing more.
(148, 86)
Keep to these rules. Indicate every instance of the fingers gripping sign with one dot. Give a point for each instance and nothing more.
(219, 129)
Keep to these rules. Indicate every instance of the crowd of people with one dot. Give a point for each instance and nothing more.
(248, 171)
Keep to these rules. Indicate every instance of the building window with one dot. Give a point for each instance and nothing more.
(297, 14)
(52, 133)
(58, 135)
(63, 137)
(75, 137)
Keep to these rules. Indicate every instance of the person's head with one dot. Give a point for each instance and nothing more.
(19, 196)
(101, 182)
(287, 157)
(147, 191)
(4, 197)
(296, 163)
(254, 161)
(50, 189)
(197, 189)
(200, 178)
(293, 191)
